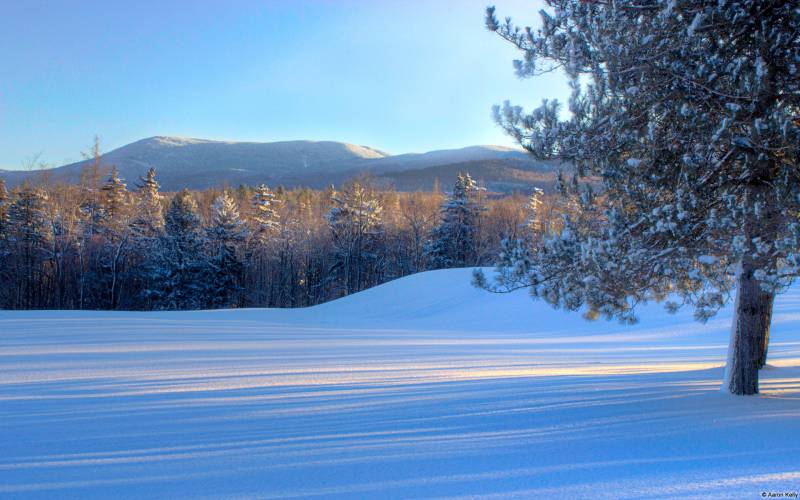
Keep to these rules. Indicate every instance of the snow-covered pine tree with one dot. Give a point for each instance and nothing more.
(90, 213)
(453, 243)
(263, 246)
(514, 260)
(3, 214)
(147, 228)
(533, 223)
(114, 197)
(89, 205)
(28, 237)
(5, 251)
(534, 229)
(181, 269)
(225, 235)
(687, 112)
(114, 242)
(264, 216)
(356, 225)
(148, 219)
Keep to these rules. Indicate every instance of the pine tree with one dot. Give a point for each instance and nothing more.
(6, 251)
(533, 223)
(107, 238)
(181, 271)
(91, 214)
(264, 245)
(3, 214)
(147, 229)
(453, 243)
(356, 225)
(148, 219)
(114, 198)
(28, 237)
(687, 114)
(90, 205)
(264, 215)
(226, 236)
(3, 208)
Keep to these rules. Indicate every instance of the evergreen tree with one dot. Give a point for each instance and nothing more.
(687, 113)
(263, 249)
(181, 268)
(226, 236)
(105, 243)
(90, 216)
(28, 237)
(533, 223)
(453, 243)
(114, 198)
(116, 253)
(356, 225)
(5, 251)
(147, 229)
(148, 219)
(3, 215)
(264, 215)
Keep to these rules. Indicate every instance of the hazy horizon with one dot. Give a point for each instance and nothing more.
(401, 79)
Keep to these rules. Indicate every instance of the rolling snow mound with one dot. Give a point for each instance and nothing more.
(421, 387)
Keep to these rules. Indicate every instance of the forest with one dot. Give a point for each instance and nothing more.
(111, 245)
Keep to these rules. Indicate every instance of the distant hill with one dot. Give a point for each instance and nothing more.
(503, 175)
(200, 163)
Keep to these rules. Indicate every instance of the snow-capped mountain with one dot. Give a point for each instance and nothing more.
(200, 163)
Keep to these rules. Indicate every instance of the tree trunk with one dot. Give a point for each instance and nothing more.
(748, 333)
(766, 299)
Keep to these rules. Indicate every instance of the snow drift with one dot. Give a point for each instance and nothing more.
(423, 386)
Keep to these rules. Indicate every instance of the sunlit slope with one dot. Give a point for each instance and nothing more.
(446, 299)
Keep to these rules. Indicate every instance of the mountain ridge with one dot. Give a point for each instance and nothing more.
(204, 163)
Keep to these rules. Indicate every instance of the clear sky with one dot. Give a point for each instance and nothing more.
(401, 76)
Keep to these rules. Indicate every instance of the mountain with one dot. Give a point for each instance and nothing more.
(504, 175)
(447, 156)
(200, 163)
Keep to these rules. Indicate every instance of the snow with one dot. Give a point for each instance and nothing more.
(423, 386)
(708, 260)
(634, 162)
(698, 18)
(178, 141)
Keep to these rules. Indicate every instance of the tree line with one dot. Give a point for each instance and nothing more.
(103, 245)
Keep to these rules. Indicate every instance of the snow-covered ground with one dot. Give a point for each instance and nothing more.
(420, 387)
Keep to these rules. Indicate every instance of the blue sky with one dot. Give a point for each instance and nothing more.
(402, 76)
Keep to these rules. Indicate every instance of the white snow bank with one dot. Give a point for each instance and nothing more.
(424, 386)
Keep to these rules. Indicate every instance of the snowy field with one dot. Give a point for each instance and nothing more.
(420, 387)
